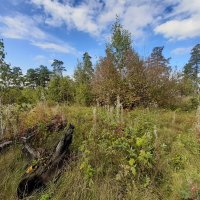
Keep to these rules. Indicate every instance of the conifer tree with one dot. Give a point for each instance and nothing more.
(58, 67)
(192, 68)
(83, 76)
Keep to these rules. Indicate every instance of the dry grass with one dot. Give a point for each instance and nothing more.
(177, 156)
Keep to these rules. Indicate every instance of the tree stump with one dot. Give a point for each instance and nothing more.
(44, 173)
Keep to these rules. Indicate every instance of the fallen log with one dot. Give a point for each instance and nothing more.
(30, 152)
(46, 171)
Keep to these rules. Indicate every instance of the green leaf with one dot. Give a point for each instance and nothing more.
(131, 162)
(133, 170)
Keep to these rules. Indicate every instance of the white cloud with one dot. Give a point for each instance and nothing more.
(183, 22)
(95, 17)
(180, 29)
(136, 18)
(109, 11)
(80, 17)
(20, 27)
(181, 51)
(56, 47)
(27, 28)
(191, 7)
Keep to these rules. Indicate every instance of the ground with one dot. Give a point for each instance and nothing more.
(116, 154)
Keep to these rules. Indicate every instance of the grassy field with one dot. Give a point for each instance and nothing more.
(116, 154)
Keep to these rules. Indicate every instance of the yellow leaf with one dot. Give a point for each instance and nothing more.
(29, 170)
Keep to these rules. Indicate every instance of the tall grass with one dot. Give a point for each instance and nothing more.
(140, 154)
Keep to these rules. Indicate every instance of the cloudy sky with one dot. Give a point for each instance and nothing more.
(37, 31)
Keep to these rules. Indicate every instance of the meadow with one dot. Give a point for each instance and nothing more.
(146, 153)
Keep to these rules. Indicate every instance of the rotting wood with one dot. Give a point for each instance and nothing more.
(46, 172)
(30, 152)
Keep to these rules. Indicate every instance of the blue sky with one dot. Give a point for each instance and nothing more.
(37, 31)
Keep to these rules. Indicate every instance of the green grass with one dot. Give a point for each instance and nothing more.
(140, 154)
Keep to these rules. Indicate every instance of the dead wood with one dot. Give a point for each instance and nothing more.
(30, 152)
(48, 170)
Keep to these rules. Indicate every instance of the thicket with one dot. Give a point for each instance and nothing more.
(120, 74)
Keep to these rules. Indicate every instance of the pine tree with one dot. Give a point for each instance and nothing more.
(58, 67)
(157, 60)
(2, 53)
(17, 77)
(195, 59)
(43, 75)
(87, 67)
(31, 78)
(192, 68)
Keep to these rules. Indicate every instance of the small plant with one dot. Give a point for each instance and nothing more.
(45, 197)
(9, 120)
(190, 190)
(177, 162)
(85, 166)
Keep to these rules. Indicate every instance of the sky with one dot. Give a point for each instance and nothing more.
(37, 31)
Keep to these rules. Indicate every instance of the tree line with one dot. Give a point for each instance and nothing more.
(121, 74)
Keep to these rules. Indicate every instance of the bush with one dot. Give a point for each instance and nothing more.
(189, 103)
(60, 89)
